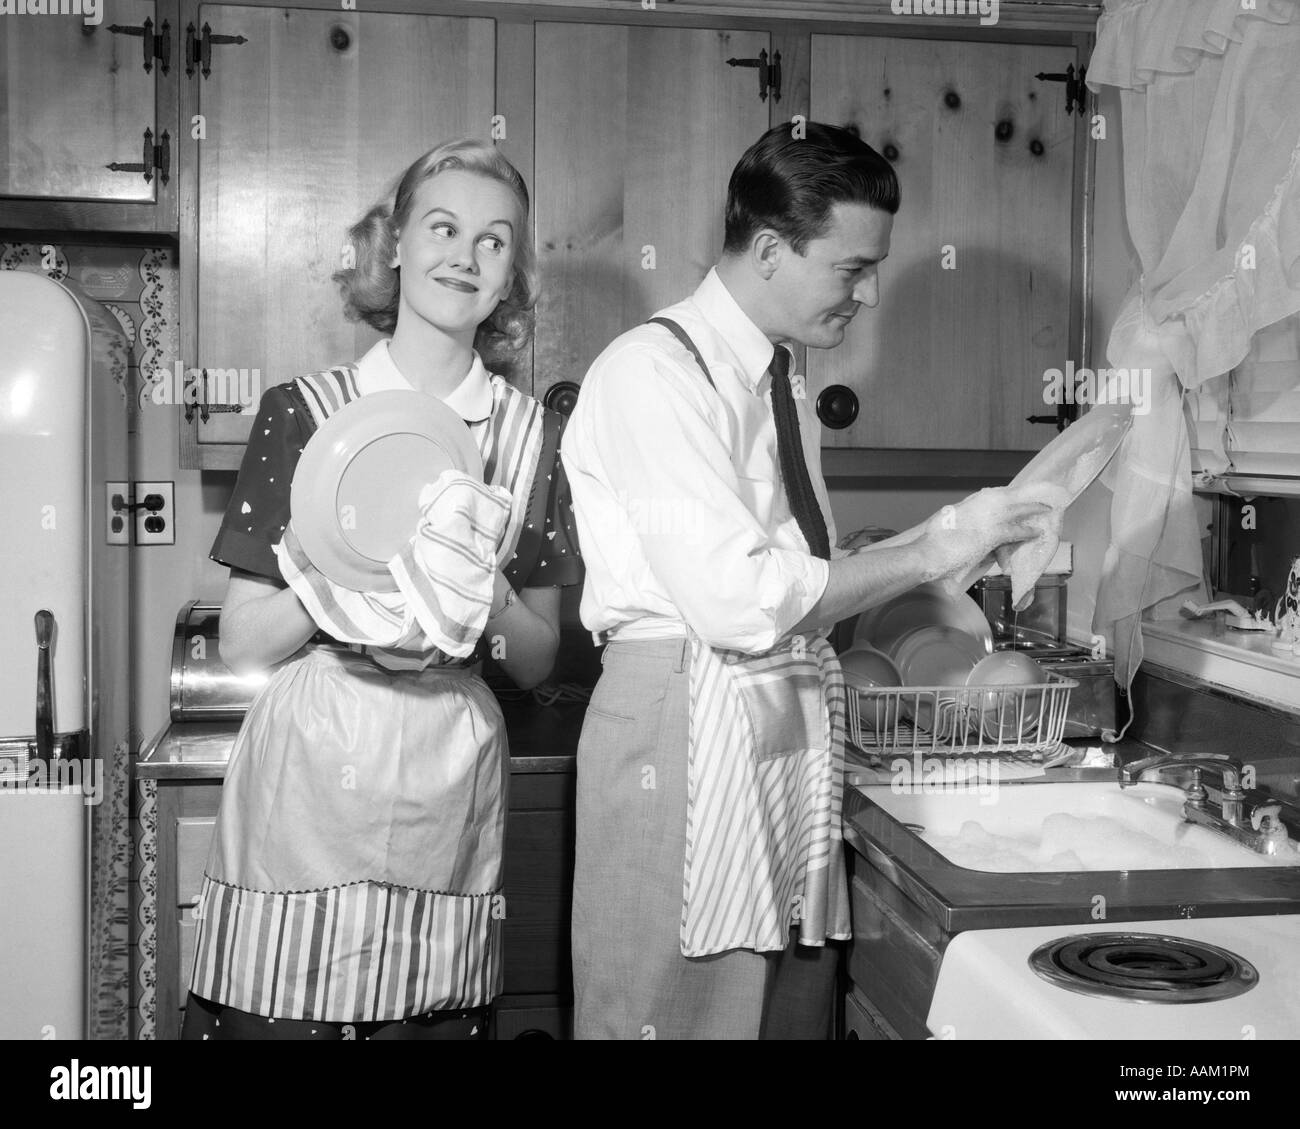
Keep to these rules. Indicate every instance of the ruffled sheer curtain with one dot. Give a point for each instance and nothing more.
(1210, 102)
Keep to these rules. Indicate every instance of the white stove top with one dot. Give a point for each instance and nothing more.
(987, 990)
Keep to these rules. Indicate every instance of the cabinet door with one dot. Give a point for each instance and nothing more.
(307, 124)
(954, 358)
(74, 99)
(637, 130)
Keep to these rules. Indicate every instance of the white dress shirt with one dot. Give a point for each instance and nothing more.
(677, 488)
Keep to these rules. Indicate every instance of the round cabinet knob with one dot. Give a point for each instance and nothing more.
(562, 397)
(837, 406)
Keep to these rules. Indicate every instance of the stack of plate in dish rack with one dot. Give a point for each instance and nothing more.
(922, 674)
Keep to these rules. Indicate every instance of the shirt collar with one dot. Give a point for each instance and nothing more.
(471, 399)
(750, 345)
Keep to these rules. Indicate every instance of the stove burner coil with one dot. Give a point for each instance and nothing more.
(1145, 967)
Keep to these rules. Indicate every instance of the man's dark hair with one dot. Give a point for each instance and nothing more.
(790, 183)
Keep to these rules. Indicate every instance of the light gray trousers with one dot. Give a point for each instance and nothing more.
(629, 976)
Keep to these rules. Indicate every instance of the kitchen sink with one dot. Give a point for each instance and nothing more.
(1067, 827)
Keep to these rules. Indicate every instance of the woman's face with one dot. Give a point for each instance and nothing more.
(457, 250)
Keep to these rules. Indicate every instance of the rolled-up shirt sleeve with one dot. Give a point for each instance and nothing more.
(657, 434)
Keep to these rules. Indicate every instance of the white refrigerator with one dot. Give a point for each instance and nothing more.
(64, 658)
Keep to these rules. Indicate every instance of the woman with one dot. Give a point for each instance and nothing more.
(353, 887)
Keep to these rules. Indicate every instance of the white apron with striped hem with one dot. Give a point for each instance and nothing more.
(764, 799)
(355, 873)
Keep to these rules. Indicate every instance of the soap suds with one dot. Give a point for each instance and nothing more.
(1066, 842)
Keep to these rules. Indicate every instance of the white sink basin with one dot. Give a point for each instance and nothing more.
(1066, 827)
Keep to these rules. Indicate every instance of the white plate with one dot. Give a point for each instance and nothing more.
(938, 657)
(926, 605)
(355, 493)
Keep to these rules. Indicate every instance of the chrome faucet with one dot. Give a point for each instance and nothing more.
(1265, 832)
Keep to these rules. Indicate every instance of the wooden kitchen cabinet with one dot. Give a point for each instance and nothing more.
(637, 129)
(986, 157)
(626, 125)
(76, 98)
(307, 123)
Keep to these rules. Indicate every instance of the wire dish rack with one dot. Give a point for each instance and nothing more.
(958, 720)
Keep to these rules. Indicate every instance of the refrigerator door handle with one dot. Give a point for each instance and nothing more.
(44, 686)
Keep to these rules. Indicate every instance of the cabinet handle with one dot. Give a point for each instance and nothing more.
(198, 48)
(562, 397)
(155, 46)
(155, 158)
(837, 406)
(769, 73)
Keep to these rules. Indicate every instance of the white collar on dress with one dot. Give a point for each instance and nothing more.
(749, 343)
(471, 399)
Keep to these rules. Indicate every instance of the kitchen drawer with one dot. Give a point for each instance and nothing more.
(193, 839)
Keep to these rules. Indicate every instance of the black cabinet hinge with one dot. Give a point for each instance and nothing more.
(157, 158)
(206, 409)
(1076, 90)
(198, 48)
(769, 73)
(1066, 414)
(155, 46)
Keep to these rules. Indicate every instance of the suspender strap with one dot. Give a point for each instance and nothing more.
(682, 336)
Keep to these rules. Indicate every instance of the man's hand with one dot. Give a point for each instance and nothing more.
(954, 541)
(959, 538)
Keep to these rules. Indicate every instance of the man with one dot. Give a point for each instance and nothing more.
(710, 765)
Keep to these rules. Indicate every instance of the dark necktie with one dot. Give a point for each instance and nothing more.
(789, 450)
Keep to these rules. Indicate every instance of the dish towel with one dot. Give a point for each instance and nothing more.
(445, 576)
(765, 792)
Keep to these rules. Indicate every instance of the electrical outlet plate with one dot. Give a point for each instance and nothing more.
(166, 535)
(121, 536)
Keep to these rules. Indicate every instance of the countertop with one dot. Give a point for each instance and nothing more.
(542, 739)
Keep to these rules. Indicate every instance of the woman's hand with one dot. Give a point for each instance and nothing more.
(523, 635)
(262, 623)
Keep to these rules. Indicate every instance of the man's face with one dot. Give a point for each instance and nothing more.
(821, 290)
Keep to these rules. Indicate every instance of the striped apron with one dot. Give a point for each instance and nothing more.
(765, 786)
(355, 873)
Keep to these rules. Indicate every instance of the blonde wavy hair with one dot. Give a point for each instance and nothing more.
(371, 287)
